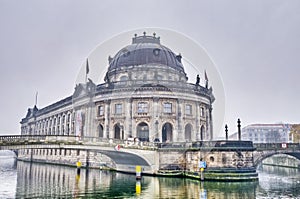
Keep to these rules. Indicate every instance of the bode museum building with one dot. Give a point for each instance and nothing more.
(145, 95)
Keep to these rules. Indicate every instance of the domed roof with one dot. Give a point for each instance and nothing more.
(145, 50)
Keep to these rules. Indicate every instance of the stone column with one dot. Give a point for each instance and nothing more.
(131, 116)
(179, 118)
(107, 119)
(71, 122)
(157, 132)
(128, 119)
(63, 123)
(210, 123)
(90, 121)
(84, 121)
(197, 130)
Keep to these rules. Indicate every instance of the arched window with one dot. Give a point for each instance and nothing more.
(100, 128)
(118, 131)
(167, 132)
(64, 119)
(188, 132)
(69, 117)
(123, 79)
(143, 132)
(202, 132)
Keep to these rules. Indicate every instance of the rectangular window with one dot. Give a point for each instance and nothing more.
(188, 109)
(142, 107)
(118, 109)
(167, 107)
(100, 110)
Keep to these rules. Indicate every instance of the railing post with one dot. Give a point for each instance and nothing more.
(226, 132)
(239, 129)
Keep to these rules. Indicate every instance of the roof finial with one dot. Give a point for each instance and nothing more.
(154, 34)
(135, 35)
(144, 33)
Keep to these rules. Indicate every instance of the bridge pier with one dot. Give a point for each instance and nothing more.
(224, 160)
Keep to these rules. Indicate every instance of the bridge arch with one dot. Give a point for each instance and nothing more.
(13, 153)
(262, 155)
(126, 158)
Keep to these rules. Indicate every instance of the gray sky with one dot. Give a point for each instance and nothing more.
(254, 44)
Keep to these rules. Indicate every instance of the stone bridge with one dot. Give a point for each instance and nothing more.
(220, 156)
(126, 155)
(265, 150)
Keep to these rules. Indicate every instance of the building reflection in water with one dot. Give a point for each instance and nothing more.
(42, 180)
(48, 181)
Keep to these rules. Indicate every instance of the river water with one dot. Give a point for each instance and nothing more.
(33, 180)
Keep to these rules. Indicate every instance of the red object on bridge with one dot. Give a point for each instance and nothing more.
(118, 147)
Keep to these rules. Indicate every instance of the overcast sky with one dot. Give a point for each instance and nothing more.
(255, 46)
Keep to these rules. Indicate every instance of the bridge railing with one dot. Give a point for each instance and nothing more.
(208, 144)
(101, 140)
(12, 138)
(277, 146)
(125, 143)
(17, 139)
(131, 142)
(61, 138)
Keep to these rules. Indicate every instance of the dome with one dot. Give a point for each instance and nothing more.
(145, 50)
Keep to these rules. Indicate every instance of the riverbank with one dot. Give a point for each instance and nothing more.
(227, 175)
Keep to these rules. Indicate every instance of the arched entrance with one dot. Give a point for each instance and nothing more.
(100, 128)
(143, 131)
(167, 133)
(188, 132)
(202, 132)
(118, 132)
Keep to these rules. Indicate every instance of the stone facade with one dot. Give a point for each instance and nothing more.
(189, 160)
(219, 159)
(145, 95)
